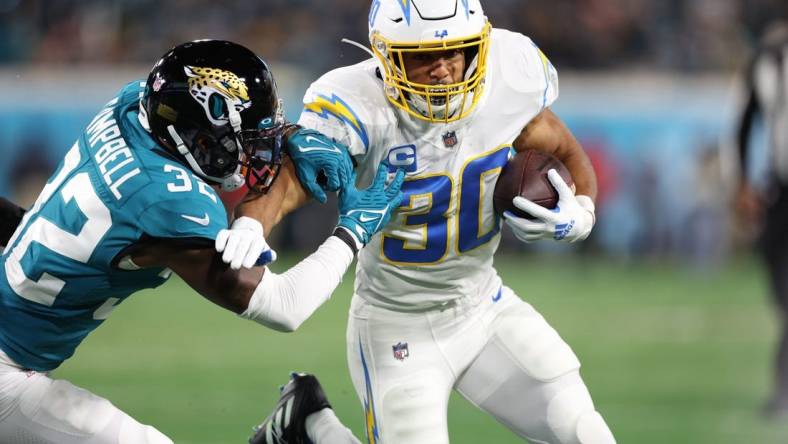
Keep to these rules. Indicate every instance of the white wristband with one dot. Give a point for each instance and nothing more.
(284, 301)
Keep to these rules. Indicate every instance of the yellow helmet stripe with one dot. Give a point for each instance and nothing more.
(467, 9)
(405, 5)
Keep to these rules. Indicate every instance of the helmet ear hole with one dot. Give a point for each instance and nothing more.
(217, 106)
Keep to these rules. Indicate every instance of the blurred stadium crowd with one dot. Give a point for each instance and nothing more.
(663, 70)
(669, 34)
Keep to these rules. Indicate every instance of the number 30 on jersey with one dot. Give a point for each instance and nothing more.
(437, 214)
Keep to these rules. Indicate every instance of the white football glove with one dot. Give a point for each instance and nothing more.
(571, 220)
(244, 244)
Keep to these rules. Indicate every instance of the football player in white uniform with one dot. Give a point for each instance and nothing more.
(444, 98)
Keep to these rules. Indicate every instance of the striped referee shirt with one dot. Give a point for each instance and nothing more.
(767, 88)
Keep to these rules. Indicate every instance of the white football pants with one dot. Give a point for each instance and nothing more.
(36, 409)
(499, 353)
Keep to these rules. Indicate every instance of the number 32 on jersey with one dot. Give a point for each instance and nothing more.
(436, 215)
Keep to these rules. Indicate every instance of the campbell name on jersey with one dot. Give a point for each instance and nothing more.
(440, 242)
(63, 270)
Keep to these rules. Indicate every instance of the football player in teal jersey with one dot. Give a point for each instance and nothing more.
(133, 201)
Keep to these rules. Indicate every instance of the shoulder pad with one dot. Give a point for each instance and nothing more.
(352, 95)
(524, 66)
(181, 205)
(131, 93)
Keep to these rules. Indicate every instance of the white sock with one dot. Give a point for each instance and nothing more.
(323, 427)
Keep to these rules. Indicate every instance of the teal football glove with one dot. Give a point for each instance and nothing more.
(364, 213)
(316, 156)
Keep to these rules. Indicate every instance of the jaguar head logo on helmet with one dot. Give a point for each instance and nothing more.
(214, 103)
(216, 90)
(410, 38)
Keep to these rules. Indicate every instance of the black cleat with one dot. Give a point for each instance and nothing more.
(300, 397)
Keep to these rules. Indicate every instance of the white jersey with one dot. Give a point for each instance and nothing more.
(440, 243)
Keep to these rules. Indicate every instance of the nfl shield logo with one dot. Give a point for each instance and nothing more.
(450, 139)
(400, 351)
(157, 83)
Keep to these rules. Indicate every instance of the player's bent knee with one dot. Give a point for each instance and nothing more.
(536, 346)
(414, 413)
(573, 419)
(72, 414)
(69, 409)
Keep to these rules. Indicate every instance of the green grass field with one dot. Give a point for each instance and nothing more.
(670, 354)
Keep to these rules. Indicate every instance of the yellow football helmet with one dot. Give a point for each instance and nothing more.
(400, 27)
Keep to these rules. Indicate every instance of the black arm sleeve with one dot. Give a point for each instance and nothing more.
(745, 128)
(746, 117)
(10, 216)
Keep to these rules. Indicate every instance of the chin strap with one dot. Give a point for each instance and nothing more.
(142, 117)
(471, 67)
(235, 180)
(234, 117)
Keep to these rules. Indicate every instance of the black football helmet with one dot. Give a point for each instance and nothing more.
(214, 103)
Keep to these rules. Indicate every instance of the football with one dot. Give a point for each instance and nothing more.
(525, 175)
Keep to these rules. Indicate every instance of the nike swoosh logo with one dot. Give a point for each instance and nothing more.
(313, 139)
(308, 149)
(364, 217)
(204, 221)
(323, 146)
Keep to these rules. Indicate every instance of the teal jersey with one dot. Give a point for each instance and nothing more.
(59, 274)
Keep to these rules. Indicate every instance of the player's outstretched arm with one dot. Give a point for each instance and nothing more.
(290, 298)
(283, 301)
(280, 302)
(318, 165)
(574, 217)
(203, 269)
(285, 196)
(244, 244)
